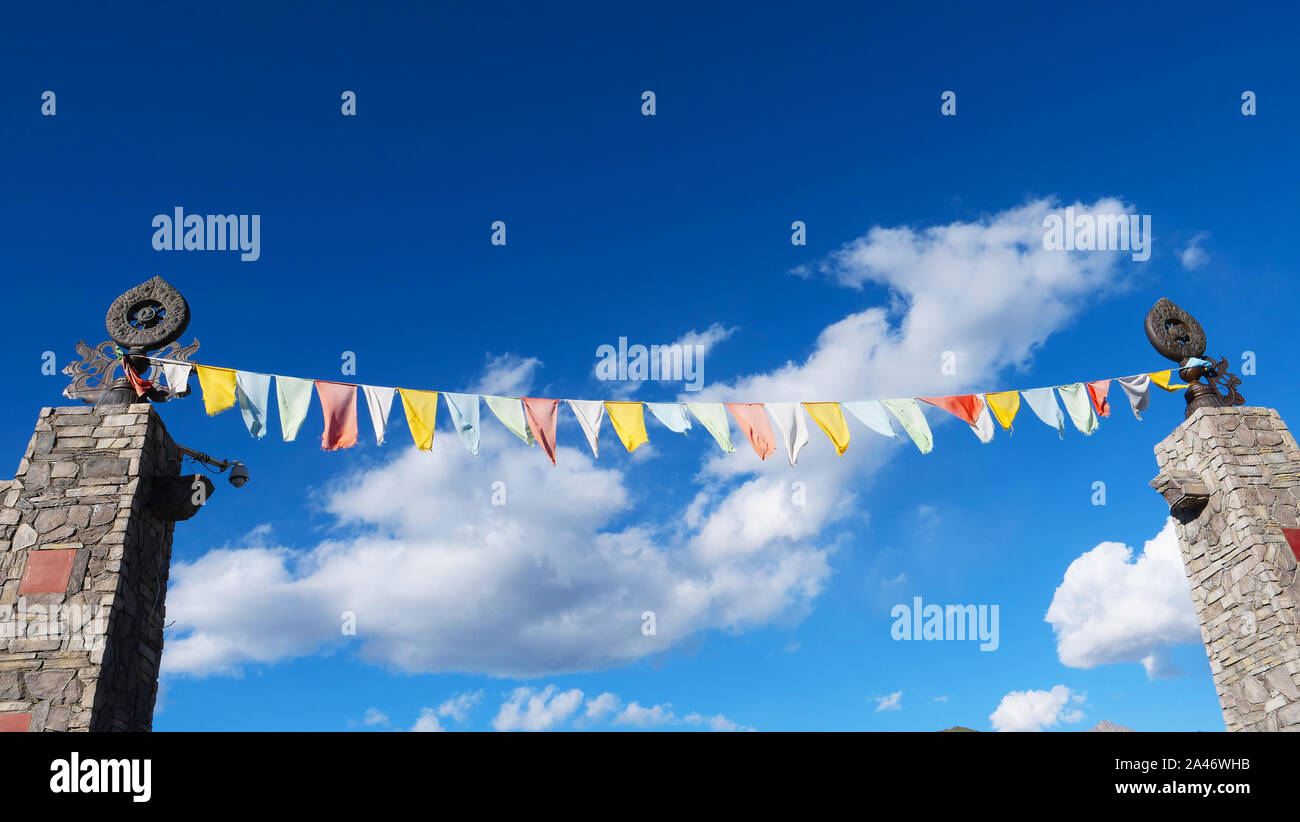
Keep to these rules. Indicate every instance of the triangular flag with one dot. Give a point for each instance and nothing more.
(380, 403)
(913, 422)
(293, 396)
(830, 419)
(1079, 407)
(178, 377)
(511, 414)
(1097, 392)
(218, 386)
(1160, 378)
(338, 401)
(1043, 403)
(754, 425)
(629, 423)
(789, 419)
(983, 425)
(463, 409)
(421, 414)
(253, 391)
(964, 407)
(713, 416)
(542, 416)
(589, 414)
(1138, 390)
(672, 415)
(1005, 405)
(871, 414)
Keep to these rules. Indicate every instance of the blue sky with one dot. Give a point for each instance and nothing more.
(375, 240)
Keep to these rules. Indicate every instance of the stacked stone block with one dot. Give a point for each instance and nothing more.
(1244, 468)
(83, 571)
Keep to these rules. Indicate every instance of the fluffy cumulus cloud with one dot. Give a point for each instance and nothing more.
(556, 580)
(1037, 710)
(549, 708)
(530, 710)
(1193, 256)
(892, 702)
(1113, 608)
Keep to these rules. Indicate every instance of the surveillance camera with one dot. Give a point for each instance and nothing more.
(238, 474)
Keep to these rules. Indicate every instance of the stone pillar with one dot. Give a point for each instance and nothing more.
(1232, 479)
(84, 553)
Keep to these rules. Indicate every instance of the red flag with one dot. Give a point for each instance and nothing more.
(542, 416)
(965, 406)
(1097, 391)
(339, 402)
(753, 421)
(140, 384)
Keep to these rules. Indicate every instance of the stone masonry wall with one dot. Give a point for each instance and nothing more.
(1238, 561)
(83, 571)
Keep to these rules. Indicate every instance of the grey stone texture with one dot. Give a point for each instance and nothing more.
(1240, 566)
(87, 659)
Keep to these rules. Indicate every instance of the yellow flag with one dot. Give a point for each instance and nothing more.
(218, 386)
(1162, 378)
(421, 410)
(629, 423)
(830, 418)
(1005, 406)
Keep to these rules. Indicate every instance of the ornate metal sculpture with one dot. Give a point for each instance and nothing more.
(144, 322)
(1179, 337)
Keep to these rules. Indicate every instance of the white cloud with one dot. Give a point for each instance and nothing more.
(459, 706)
(893, 702)
(602, 706)
(717, 722)
(1110, 608)
(1193, 256)
(530, 710)
(374, 716)
(1036, 710)
(428, 722)
(442, 580)
(634, 714)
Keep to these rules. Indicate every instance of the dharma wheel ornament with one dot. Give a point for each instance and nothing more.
(143, 324)
(1177, 336)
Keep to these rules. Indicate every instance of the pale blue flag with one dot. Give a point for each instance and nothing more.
(871, 414)
(464, 417)
(252, 391)
(1043, 403)
(672, 415)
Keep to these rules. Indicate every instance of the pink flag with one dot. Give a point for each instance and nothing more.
(753, 421)
(339, 402)
(542, 415)
(1097, 391)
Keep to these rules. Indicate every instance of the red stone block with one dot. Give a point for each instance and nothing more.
(1293, 538)
(48, 572)
(15, 722)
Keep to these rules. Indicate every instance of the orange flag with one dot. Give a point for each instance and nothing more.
(965, 407)
(1097, 391)
(753, 421)
(542, 416)
(339, 402)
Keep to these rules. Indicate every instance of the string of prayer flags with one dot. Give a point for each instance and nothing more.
(252, 391)
(293, 396)
(830, 419)
(1138, 390)
(754, 425)
(218, 386)
(421, 412)
(913, 421)
(380, 403)
(338, 403)
(628, 419)
(463, 409)
(511, 414)
(178, 377)
(1079, 406)
(589, 414)
(789, 420)
(672, 415)
(542, 417)
(1162, 378)
(1097, 392)
(1043, 403)
(871, 414)
(1005, 405)
(713, 416)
